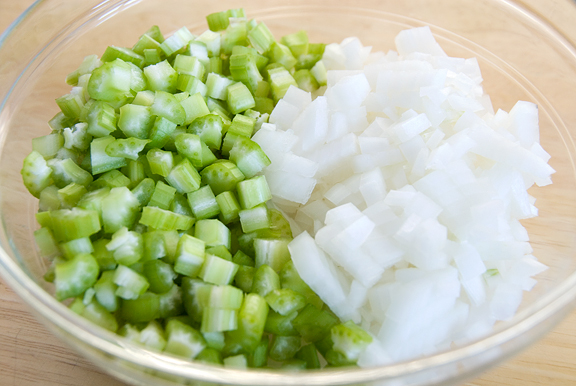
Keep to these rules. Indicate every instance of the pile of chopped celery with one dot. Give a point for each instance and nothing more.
(153, 208)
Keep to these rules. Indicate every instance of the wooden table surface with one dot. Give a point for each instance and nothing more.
(30, 355)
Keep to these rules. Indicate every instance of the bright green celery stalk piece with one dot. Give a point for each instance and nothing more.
(219, 319)
(48, 145)
(143, 309)
(261, 38)
(75, 223)
(189, 256)
(285, 301)
(350, 340)
(239, 98)
(111, 179)
(251, 321)
(189, 65)
(166, 105)
(212, 41)
(209, 128)
(164, 219)
(253, 192)
(119, 209)
(243, 259)
(195, 294)
(289, 278)
(127, 148)
(184, 177)
(76, 137)
(46, 243)
(203, 203)
(314, 324)
(216, 270)
(244, 277)
(236, 362)
(154, 246)
(280, 80)
(70, 105)
(135, 121)
(229, 207)
(281, 54)
(218, 21)
(283, 348)
(297, 42)
(111, 82)
(103, 256)
(248, 156)
(160, 275)
(213, 233)
(126, 54)
(183, 340)
(70, 195)
(225, 296)
(235, 34)
(191, 84)
(144, 98)
(77, 246)
(309, 355)
(60, 121)
(178, 41)
(194, 107)
(265, 281)
(216, 85)
(280, 324)
(162, 196)
(49, 199)
(89, 63)
(161, 77)
(221, 176)
(259, 357)
(66, 171)
(210, 356)
(143, 191)
(36, 173)
(221, 108)
(191, 147)
(101, 119)
(135, 172)
(273, 252)
(242, 125)
(214, 66)
(243, 69)
(171, 303)
(100, 161)
(130, 283)
(152, 336)
(99, 315)
(106, 291)
(75, 276)
(254, 219)
(161, 162)
(306, 80)
(320, 73)
(126, 246)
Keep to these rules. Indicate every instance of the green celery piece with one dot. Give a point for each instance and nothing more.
(280, 80)
(226, 296)
(126, 54)
(190, 146)
(221, 108)
(75, 276)
(154, 246)
(219, 319)
(152, 336)
(309, 355)
(70, 195)
(165, 220)
(216, 85)
(234, 35)
(307, 61)
(104, 257)
(111, 179)
(106, 291)
(259, 357)
(180, 205)
(210, 356)
(45, 219)
(89, 63)
(60, 121)
(100, 161)
(251, 321)
(283, 348)
(285, 301)
(194, 107)
(203, 203)
(349, 340)
(220, 251)
(191, 84)
(161, 77)
(171, 143)
(70, 105)
(261, 38)
(149, 40)
(277, 324)
(143, 191)
(248, 156)
(130, 283)
(243, 259)
(297, 42)
(289, 278)
(253, 192)
(218, 21)
(130, 332)
(48, 145)
(126, 246)
(171, 238)
(239, 98)
(153, 56)
(229, 207)
(244, 277)
(184, 177)
(138, 81)
(177, 42)
(77, 137)
(214, 66)
(99, 315)
(306, 80)
(135, 121)
(161, 131)
(111, 82)
(50, 199)
(265, 280)
(319, 73)
(77, 246)
(46, 243)
(166, 105)
(101, 119)
(213, 233)
(171, 303)
(65, 172)
(279, 224)
(221, 176)
(216, 270)
(127, 148)
(254, 219)
(242, 125)
(189, 65)
(135, 172)
(189, 256)
(273, 252)
(119, 209)
(160, 161)
(162, 196)
(314, 324)
(144, 98)
(209, 128)
(212, 41)
(36, 173)
(281, 54)
(243, 69)
(143, 309)
(75, 223)
(195, 294)
(183, 340)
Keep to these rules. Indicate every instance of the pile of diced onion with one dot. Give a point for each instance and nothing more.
(405, 191)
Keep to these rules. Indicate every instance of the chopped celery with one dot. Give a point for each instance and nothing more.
(183, 340)
(36, 174)
(164, 219)
(203, 203)
(75, 276)
(265, 281)
(190, 256)
(349, 340)
(126, 246)
(222, 176)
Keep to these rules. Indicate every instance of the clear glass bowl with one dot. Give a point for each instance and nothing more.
(522, 56)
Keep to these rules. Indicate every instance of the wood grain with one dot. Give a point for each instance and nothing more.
(30, 355)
